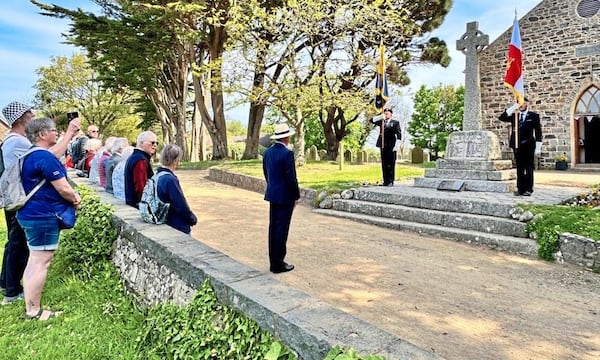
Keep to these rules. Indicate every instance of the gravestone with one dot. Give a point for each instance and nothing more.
(361, 157)
(313, 153)
(322, 154)
(416, 155)
(473, 157)
(348, 156)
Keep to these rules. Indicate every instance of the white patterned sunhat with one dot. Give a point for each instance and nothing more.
(13, 111)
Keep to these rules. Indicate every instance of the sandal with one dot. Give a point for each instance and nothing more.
(43, 315)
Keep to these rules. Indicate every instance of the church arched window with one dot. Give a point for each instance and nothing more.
(589, 102)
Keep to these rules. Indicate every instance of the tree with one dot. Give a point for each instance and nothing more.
(71, 84)
(438, 112)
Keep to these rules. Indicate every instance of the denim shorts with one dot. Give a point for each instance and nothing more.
(41, 234)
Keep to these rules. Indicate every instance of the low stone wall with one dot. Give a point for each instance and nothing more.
(307, 196)
(580, 250)
(160, 264)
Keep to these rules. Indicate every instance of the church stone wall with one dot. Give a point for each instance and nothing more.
(554, 76)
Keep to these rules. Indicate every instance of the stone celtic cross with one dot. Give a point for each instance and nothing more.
(470, 44)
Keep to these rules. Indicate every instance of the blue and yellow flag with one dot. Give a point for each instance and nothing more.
(381, 88)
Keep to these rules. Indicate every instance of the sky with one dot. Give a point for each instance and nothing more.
(29, 40)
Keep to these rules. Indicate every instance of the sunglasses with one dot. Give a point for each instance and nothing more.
(155, 143)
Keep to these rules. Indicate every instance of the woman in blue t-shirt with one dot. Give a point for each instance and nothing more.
(38, 216)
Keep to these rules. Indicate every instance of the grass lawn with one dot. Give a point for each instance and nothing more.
(98, 320)
(326, 175)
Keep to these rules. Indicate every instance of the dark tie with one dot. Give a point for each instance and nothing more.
(522, 119)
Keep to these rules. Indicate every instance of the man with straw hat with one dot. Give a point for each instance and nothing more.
(282, 193)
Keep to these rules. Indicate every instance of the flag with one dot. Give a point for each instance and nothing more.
(513, 79)
(381, 89)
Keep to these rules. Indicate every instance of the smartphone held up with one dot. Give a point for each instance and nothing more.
(72, 115)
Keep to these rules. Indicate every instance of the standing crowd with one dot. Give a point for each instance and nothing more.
(33, 230)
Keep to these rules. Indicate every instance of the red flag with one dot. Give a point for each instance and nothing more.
(513, 79)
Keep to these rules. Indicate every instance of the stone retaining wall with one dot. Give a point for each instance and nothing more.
(160, 264)
(307, 196)
(580, 250)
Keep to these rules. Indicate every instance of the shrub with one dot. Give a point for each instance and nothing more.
(206, 329)
(88, 245)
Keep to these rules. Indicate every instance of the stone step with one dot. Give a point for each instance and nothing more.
(511, 244)
(431, 199)
(482, 165)
(483, 223)
(484, 175)
(470, 185)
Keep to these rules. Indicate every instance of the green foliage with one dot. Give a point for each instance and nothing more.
(339, 353)
(438, 113)
(555, 220)
(326, 176)
(235, 128)
(205, 329)
(89, 243)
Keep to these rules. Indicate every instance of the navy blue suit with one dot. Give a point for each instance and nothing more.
(282, 193)
(391, 132)
(530, 132)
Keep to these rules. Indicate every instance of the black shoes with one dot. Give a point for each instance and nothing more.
(525, 193)
(285, 268)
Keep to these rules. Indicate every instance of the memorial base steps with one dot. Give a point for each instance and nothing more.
(465, 220)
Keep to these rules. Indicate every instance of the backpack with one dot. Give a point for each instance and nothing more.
(152, 208)
(12, 193)
(78, 152)
(2, 153)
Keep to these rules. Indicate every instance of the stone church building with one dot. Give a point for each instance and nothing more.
(560, 41)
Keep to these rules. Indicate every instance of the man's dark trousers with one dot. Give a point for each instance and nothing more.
(524, 157)
(280, 217)
(16, 254)
(388, 164)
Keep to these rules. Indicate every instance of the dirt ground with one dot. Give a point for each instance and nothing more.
(460, 301)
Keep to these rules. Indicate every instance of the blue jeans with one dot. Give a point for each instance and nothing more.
(16, 254)
(42, 234)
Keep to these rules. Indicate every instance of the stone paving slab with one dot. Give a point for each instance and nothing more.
(542, 195)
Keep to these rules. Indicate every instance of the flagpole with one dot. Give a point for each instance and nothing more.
(382, 59)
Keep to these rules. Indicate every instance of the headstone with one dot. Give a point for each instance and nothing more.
(322, 154)
(361, 157)
(426, 156)
(348, 156)
(472, 155)
(313, 153)
(416, 156)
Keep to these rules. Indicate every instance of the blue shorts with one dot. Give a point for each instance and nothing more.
(41, 234)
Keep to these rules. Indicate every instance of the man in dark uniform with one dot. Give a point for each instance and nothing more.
(282, 193)
(391, 133)
(529, 143)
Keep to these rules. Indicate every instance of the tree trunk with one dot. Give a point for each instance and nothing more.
(299, 142)
(255, 117)
(257, 107)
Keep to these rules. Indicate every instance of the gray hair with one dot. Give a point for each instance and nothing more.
(93, 144)
(119, 144)
(144, 136)
(127, 151)
(170, 154)
(37, 126)
(108, 143)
